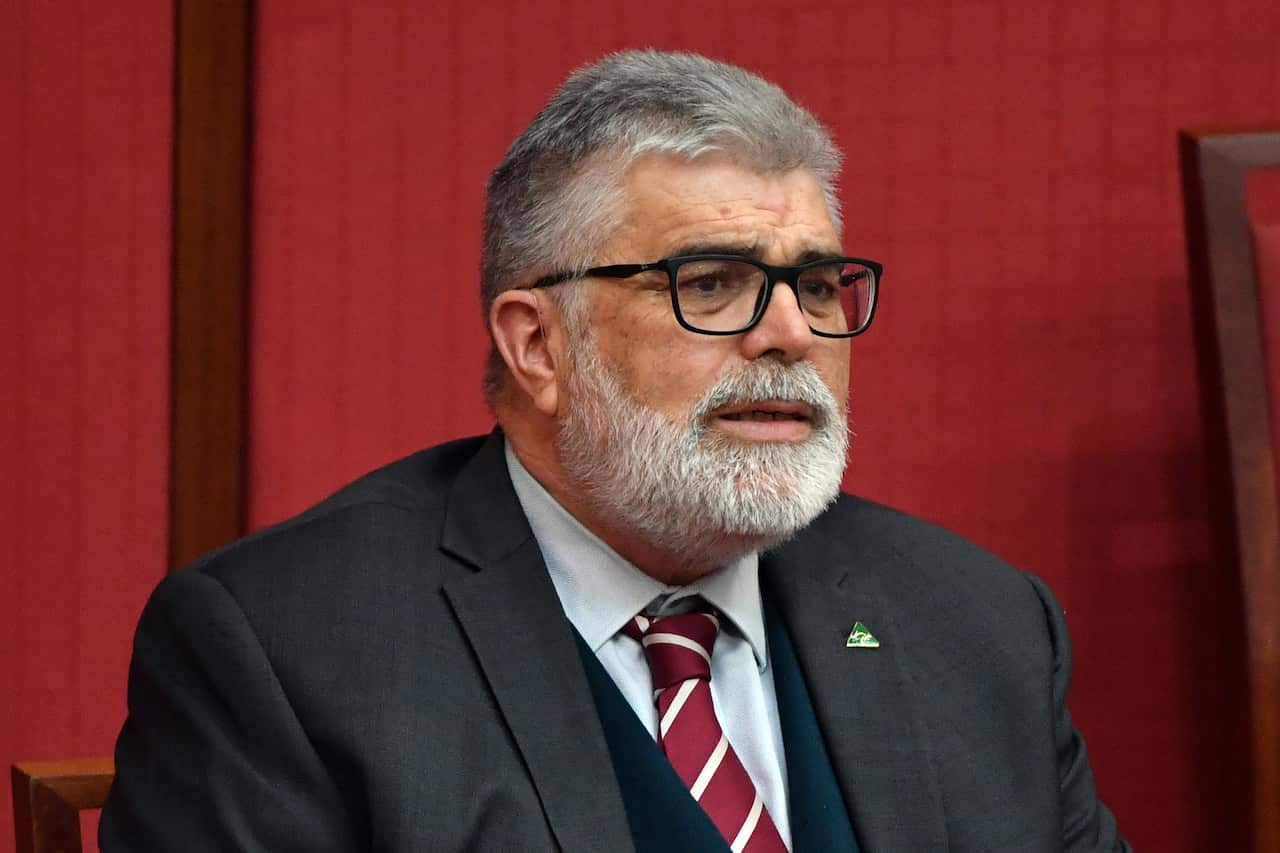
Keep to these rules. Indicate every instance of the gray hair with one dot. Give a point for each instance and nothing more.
(556, 196)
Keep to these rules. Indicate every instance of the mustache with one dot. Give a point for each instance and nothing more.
(769, 380)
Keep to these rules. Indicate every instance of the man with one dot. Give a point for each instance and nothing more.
(638, 615)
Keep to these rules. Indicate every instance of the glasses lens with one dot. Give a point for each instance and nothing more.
(837, 297)
(718, 296)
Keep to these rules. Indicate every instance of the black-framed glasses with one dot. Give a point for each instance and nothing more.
(728, 294)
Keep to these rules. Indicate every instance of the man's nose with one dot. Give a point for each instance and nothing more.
(783, 331)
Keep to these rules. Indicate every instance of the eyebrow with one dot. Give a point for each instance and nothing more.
(815, 255)
(746, 250)
(749, 250)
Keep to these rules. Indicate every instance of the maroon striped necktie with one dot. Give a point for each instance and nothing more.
(678, 649)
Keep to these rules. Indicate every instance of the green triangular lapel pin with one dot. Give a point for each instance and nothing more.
(861, 638)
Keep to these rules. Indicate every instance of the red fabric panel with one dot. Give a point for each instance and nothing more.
(84, 256)
(1031, 378)
(1262, 194)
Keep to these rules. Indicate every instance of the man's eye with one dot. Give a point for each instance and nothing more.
(705, 284)
(818, 290)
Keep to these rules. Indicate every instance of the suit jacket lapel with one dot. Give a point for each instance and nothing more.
(512, 617)
(865, 700)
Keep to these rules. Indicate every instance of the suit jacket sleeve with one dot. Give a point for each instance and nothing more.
(211, 756)
(1087, 824)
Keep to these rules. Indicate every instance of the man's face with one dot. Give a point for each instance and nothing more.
(705, 446)
(677, 207)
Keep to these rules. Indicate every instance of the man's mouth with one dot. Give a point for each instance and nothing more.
(772, 420)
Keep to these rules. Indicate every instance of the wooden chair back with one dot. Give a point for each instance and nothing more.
(48, 797)
(1233, 368)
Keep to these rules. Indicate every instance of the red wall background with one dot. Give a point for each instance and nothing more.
(1030, 381)
(85, 91)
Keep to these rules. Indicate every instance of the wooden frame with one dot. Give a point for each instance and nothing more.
(213, 51)
(211, 177)
(1228, 332)
(48, 797)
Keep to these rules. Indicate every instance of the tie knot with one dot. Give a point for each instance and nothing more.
(677, 647)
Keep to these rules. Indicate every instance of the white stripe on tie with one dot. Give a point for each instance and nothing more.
(748, 827)
(709, 769)
(677, 640)
(673, 710)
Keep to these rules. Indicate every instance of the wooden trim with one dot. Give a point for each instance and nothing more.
(48, 797)
(1233, 382)
(211, 182)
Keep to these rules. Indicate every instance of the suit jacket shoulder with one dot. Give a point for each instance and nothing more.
(970, 681)
(922, 555)
(317, 682)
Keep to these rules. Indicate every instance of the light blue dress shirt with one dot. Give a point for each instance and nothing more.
(600, 591)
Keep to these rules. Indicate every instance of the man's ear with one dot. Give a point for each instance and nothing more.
(529, 344)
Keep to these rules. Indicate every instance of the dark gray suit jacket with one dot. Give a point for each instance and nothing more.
(392, 671)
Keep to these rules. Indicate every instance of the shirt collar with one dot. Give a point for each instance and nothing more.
(600, 590)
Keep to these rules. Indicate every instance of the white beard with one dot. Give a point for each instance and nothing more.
(687, 488)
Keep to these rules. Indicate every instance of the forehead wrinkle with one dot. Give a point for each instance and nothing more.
(745, 228)
(800, 243)
(674, 205)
